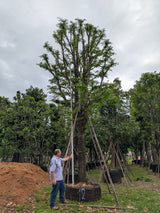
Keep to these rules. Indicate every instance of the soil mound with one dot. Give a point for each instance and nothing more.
(18, 182)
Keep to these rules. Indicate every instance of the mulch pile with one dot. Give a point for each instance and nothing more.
(18, 182)
(81, 184)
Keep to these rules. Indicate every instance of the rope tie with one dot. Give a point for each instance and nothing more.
(81, 194)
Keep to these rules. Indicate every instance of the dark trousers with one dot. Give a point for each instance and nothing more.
(55, 188)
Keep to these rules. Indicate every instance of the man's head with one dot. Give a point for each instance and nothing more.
(57, 152)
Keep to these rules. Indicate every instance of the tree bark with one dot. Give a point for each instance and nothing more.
(154, 153)
(141, 154)
(114, 161)
(147, 148)
(81, 122)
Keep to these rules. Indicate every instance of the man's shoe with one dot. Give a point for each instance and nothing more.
(55, 208)
(65, 202)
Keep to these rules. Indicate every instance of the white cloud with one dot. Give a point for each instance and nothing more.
(6, 44)
(132, 27)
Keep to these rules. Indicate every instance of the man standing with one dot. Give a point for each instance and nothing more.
(56, 177)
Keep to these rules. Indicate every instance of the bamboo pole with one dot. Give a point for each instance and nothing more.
(108, 152)
(99, 159)
(72, 133)
(127, 167)
(105, 165)
(120, 165)
(71, 136)
(98, 206)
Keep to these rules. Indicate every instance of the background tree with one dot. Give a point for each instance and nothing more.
(145, 106)
(79, 64)
(114, 123)
(29, 127)
(4, 105)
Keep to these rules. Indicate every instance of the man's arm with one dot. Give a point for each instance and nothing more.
(67, 158)
(53, 178)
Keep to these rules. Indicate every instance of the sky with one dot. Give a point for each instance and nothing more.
(25, 25)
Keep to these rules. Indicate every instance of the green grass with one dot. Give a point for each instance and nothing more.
(143, 194)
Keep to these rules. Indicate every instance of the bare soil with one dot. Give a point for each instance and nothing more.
(19, 182)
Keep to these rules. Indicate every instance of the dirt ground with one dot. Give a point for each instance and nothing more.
(18, 182)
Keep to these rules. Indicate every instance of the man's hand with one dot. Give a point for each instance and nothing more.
(71, 156)
(54, 181)
(67, 158)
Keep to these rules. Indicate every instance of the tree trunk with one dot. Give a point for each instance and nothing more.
(40, 159)
(147, 148)
(136, 155)
(154, 153)
(81, 121)
(16, 157)
(158, 161)
(141, 154)
(114, 161)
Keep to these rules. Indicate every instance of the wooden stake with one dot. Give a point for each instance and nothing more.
(120, 165)
(97, 206)
(108, 152)
(72, 133)
(70, 140)
(105, 165)
(127, 167)
(99, 159)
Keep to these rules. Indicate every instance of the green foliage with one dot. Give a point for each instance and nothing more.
(31, 128)
(81, 62)
(145, 106)
(114, 121)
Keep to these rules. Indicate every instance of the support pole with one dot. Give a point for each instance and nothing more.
(126, 166)
(72, 133)
(72, 160)
(98, 206)
(120, 166)
(105, 165)
(71, 130)
(99, 159)
(108, 152)
(69, 144)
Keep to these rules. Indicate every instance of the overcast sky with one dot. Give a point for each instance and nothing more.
(25, 25)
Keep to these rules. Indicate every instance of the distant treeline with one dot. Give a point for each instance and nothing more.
(31, 128)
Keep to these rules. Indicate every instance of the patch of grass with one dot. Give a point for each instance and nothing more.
(19, 208)
(143, 195)
(39, 199)
(144, 179)
(93, 176)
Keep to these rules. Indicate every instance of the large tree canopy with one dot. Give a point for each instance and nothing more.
(79, 64)
(85, 53)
